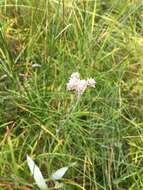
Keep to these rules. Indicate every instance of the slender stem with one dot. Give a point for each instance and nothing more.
(61, 125)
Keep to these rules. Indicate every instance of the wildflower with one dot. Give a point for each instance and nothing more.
(91, 82)
(73, 82)
(79, 85)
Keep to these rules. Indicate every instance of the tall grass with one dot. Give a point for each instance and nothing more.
(104, 131)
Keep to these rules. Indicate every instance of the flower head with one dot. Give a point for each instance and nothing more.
(73, 82)
(79, 85)
(91, 82)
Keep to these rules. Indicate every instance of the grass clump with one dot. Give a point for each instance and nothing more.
(102, 131)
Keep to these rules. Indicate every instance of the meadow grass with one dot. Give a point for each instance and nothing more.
(103, 130)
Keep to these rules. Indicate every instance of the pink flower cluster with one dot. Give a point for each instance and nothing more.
(79, 85)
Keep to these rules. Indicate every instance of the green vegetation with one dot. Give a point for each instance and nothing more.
(103, 130)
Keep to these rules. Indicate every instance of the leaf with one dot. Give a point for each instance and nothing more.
(38, 177)
(59, 173)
